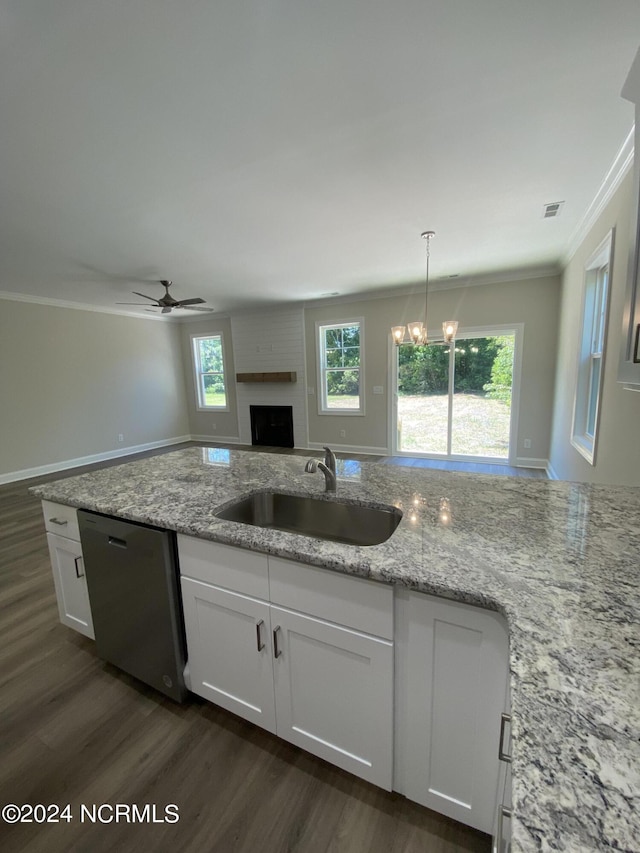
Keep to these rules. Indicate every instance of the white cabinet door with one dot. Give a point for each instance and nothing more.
(229, 649)
(334, 693)
(70, 583)
(454, 679)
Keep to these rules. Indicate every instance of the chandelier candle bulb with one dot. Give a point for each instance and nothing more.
(418, 330)
(449, 329)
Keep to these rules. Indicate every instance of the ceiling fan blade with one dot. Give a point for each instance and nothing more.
(135, 303)
(195, 301)
(144, 295)
(194, 308)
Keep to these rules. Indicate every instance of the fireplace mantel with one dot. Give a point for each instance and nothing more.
(274, 376)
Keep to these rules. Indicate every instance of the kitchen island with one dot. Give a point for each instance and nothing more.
(559, 560)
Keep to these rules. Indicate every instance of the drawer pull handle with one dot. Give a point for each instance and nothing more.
(258, 636)
(276, 651)
(77, 562)
(503, 812)
(502, 755)
(119, 543)
(60, 521)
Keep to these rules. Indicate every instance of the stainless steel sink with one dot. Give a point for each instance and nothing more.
(333, 520)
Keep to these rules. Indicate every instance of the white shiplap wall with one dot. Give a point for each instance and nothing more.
(271, 342)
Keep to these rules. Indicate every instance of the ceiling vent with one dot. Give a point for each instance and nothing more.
(553, 209)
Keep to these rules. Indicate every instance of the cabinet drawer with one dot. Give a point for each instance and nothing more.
(61, 519)
(232, 568)
(347, 600)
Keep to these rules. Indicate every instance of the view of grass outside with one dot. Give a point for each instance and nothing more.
(215, 398)
(340, 358)
(481, 404)
(210, 369)
(480, 425)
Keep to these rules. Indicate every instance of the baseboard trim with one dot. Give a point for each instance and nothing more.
(351, 448)
(530, 462)
(551, 474)
(217, 439)
(52, 468)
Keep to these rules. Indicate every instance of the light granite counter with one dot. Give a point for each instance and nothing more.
(560, 560)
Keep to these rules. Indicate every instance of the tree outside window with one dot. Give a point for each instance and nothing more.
(340, 367)
(593, 337)
(208, 356)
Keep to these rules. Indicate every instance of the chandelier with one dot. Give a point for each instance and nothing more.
(416, 332)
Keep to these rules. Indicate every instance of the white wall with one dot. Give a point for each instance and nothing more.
(215, 425)
(533, 302)
(618, 457)
(271, 342)
(72, 380)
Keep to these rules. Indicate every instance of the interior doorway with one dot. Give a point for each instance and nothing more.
(457, 401)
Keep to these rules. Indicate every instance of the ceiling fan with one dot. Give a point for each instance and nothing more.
(167, 302)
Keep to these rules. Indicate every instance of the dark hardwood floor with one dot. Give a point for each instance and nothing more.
(76, 731)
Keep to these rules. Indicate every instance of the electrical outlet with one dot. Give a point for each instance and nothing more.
(311, 391)
(214, 426)
(343, 433)
(120, 437)
(527, 444)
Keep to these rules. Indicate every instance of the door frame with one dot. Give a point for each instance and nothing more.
(488, 331)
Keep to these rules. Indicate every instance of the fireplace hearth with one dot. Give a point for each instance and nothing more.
(271, 426)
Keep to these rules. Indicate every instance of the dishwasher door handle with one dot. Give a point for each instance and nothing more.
(118, 543)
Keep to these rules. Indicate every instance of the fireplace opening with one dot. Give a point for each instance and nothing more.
(272, 426)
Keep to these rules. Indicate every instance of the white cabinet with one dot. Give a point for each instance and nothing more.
(303, 663)
(229, 649)
(452, 666)
(67, 565)
(334, 693)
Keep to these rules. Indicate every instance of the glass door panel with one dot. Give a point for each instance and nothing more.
(423, 399)
(481, 399)
(455, 402)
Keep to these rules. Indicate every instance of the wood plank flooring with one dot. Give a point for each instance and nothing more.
(76, 730)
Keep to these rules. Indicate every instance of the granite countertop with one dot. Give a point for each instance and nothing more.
(560, 560)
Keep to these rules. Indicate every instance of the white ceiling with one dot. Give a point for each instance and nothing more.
(261, 151)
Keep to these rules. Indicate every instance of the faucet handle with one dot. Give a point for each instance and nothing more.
(329, 458)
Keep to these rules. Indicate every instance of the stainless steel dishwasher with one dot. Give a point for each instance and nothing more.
(132, 578)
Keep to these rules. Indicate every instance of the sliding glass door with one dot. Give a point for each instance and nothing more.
(455, 401)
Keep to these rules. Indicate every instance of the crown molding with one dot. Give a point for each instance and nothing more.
(500, 277)
(612, 180)
(76, 306)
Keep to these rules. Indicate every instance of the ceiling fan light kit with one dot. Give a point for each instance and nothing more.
(167, 302)
(416, 331)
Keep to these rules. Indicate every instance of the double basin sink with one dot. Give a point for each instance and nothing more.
(333, 520)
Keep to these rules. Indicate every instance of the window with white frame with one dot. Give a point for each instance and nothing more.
(208, 362)
(593, 337)
(340, 359)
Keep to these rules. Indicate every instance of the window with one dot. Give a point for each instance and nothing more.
(208, 359)
(592, 348)
(340, 360)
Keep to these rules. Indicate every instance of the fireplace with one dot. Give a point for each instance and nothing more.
(272, 426)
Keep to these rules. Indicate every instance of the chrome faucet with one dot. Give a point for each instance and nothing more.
(330, 459)
(314, 465)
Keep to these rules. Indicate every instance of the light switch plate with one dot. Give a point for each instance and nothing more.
(378, 389)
